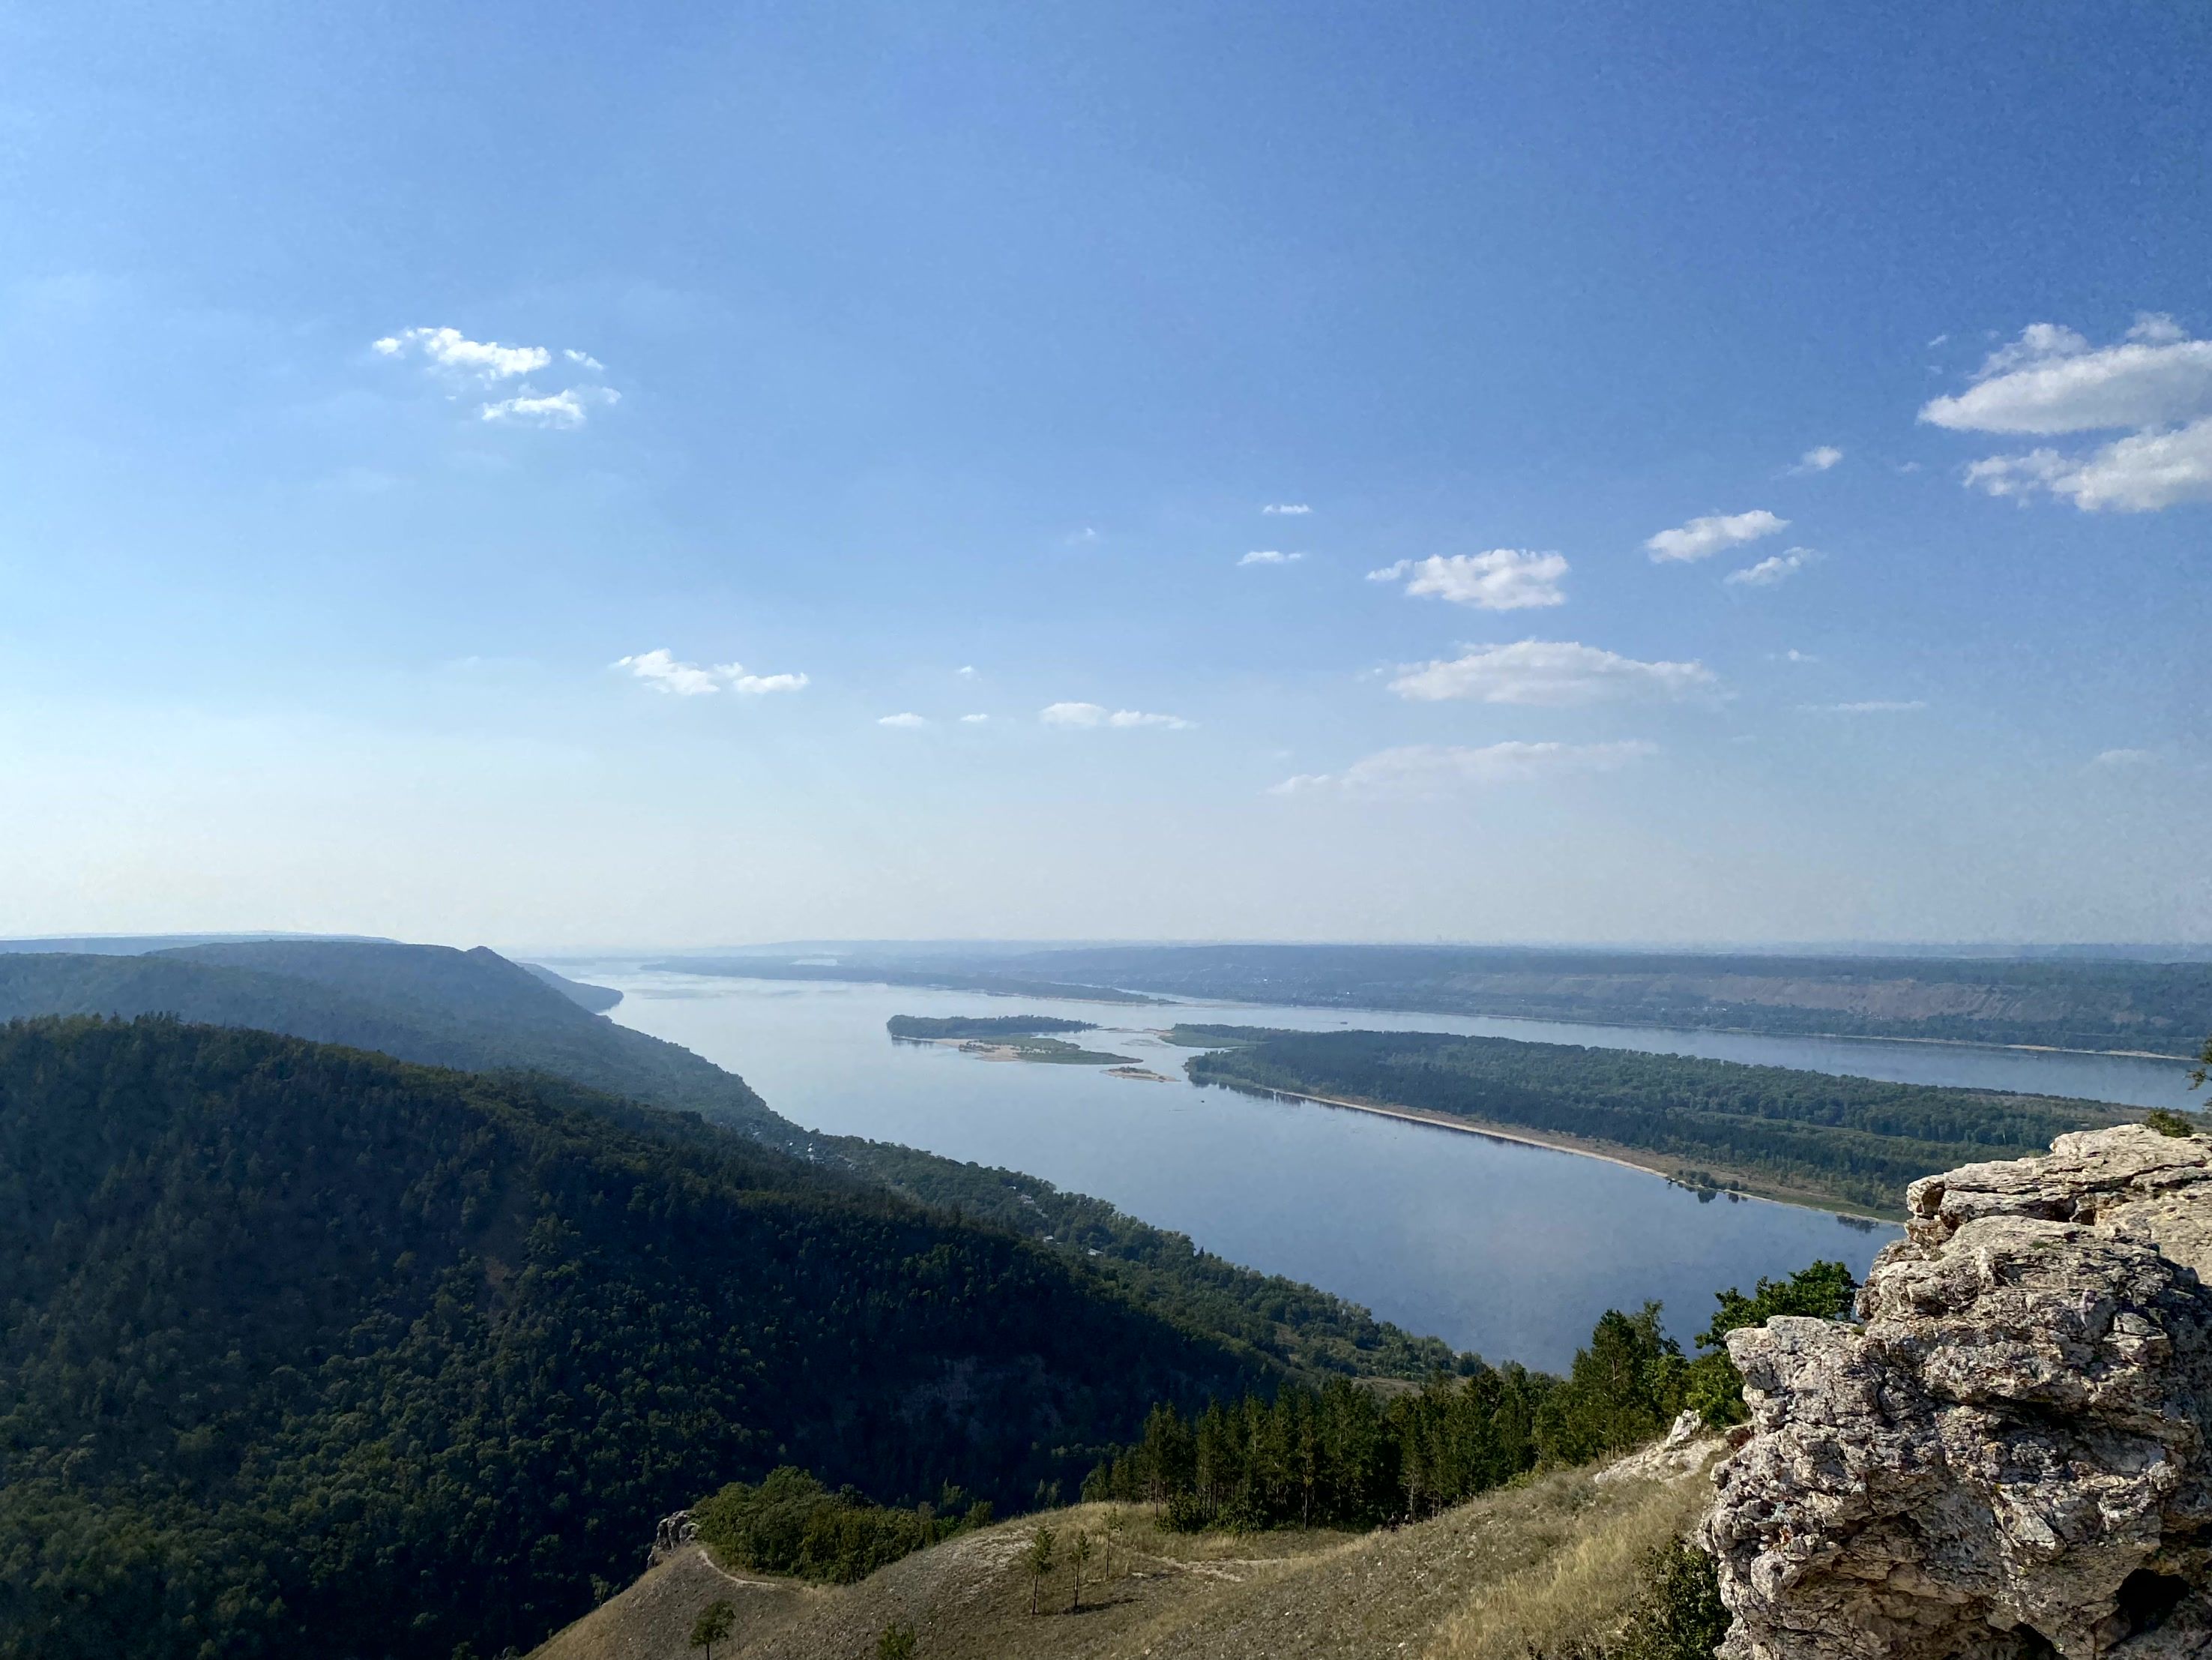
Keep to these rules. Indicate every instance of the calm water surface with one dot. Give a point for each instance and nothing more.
(1510, 1251)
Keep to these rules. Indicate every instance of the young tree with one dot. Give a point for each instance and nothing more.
(1038, 1561)
(712, 1626)
(1078, 1552)
(897, 1642)
(1116, 1523)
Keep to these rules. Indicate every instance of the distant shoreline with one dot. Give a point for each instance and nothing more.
(1725, 1031)
(1124, 997)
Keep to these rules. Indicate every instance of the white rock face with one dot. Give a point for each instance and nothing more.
(2010, 1458)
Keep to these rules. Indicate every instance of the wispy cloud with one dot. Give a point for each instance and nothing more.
(661, 670)
(1269, 556)
(1098, 715)
(1702, 537)
(1819, 458)
(1432, 769)
(449, 348)
(1504, 579)
(906, 718)
(1870, 706)
(461, 362)
(1557, 674)
(565, 409)
(966, 671)
(2123, 759)
(2051, 380)
(1775, 567)
(975, 719)
(1293, 507)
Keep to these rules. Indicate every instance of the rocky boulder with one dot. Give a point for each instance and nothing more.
(2008, 1457)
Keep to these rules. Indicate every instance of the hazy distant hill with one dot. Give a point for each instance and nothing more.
(597, 998)
(305, 1350)
(472, 1009)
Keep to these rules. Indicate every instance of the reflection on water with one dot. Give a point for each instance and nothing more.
(1497, 1246)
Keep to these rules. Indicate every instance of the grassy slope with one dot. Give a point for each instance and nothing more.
(476, 1011)
(1543, 1565)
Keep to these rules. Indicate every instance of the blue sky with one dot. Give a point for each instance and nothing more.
(441, 441)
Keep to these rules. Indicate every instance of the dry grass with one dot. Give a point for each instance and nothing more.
(1530, 1569)
(1582, 1590)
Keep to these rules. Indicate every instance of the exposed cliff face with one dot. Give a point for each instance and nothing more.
(2010, 1458)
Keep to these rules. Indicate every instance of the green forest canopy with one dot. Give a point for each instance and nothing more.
(303, 1348)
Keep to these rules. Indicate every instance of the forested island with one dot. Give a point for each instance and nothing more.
(1007, 1037)
(931, 1029)
(1808, 1137)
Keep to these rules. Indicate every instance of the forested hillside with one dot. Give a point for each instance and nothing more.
(472, 1009)
(1796, 1134)
(475, 1010)
(306, 1350)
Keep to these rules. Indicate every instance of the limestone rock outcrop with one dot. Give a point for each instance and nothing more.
(676, 1532)
(2008, 1457)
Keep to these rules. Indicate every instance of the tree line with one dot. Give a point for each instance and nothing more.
(1344, 1456)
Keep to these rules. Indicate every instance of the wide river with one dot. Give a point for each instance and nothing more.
(1508, 1249)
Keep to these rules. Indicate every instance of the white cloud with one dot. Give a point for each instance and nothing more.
(1504, 579)
(966, 671)
(1553, 672)
(1819, 458)
(660, 670)
(2125, 758)
(1702, 537)
(907, 718)
(1774, 568)
(566, 409)
(1428, 769)
(2138, 474)
(449, 348)
(1293, 507)
(1098, 715)
(1269, 556)
(2051, 380)
(974, 720)
(1794, 655)
(1871, 705)
(487, 363)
